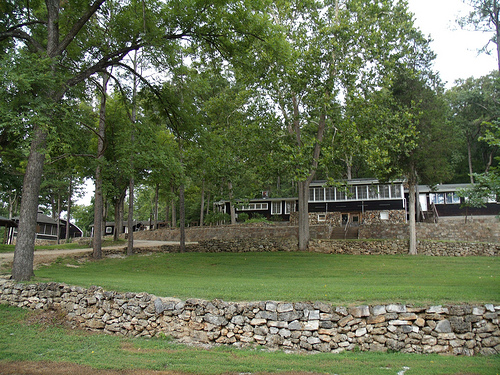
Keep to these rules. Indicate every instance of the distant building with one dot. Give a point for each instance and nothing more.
(46, 229)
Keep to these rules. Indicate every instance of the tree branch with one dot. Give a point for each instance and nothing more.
(77, 27)
(19, 34)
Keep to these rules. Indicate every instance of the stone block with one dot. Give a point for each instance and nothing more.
(360, 311)
(295, 326)
(375, 319)
(284, 307)
(257, 322)
(443, 326)
(378, 310)
(394, 308)
(311, 325)
(343, 322)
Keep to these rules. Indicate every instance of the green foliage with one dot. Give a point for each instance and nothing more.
(473, 105)
(485, 17)
(217, 217)
(243, 217)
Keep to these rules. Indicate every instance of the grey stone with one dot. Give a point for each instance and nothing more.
(443, 326)
(216, 320)
(393, 308)
(295, 326)
(378, 310)
(284, 307)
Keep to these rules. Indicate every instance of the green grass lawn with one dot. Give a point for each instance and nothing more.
(24, 338)
(283, 276)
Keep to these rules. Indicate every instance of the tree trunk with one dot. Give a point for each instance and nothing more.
(304, 234)
(469, 158)
(68, 217)
(232, 209)
(119, 216)
(98, 195)
(58, 219)
(182, 218)
(202, 204)
(130, 224)
(155, 222)
(22, 268)
(411, 211)
(173, 208)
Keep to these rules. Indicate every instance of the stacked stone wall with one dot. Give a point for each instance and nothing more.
(301, 326)
(472, 231)
(391, 247)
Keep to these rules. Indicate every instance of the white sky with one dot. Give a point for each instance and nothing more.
(456, 49)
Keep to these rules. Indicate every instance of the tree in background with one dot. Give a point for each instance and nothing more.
(485, 17)
(69, 43)
(407, 135)
(336, 50)
(474, 103)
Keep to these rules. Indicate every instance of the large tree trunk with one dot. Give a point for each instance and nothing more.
(68, 217)
(232, 209)
(22, 268)
(304, 234)
(58, 219)
(98, 196)
(412, 182)
(155, 221)
(119, 216)
(469, 159)
(173, 208)
(130, 224)
(202, 204)
(182, 218)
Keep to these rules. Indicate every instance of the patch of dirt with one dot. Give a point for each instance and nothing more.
(47, 318)
(64, 368)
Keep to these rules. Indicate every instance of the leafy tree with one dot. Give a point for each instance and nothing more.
(485, 17)
(407, 135)
(335, 49)
(474, 103)
(69, 43)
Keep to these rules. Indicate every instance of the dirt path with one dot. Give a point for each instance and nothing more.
(47, 256)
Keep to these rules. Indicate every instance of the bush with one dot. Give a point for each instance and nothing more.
(242, 217)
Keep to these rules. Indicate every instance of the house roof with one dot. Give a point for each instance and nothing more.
(41, 219)
(442, 188)
(4, 222)
(355, 181)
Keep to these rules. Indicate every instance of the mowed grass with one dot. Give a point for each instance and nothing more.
(292, 276)
(30, 336)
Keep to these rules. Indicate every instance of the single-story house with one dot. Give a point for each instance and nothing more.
(443, 201)
(357, 201)
(109, 227)
(46, 229)
(364, 201)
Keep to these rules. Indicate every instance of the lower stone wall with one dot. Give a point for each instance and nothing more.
(457, 230)
(387, 247)
(355, 247)
(319, 326)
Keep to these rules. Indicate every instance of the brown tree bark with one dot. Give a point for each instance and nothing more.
(98, 197)
(22, 268)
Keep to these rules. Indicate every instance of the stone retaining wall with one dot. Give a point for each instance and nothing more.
(355, 247)
(475, 230)
(321, 327)
(385, 247)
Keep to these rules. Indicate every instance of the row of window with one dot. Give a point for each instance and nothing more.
(442, 198)
(276, 207)
(359, 192)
